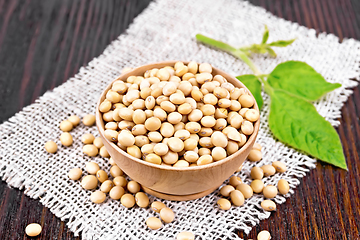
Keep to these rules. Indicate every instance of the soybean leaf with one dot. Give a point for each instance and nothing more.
(254, 85)
(297, 123)
(282, 43)
(300, 79)
(265, 35)
(271, 51)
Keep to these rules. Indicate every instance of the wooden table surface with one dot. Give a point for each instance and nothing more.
(43, 43)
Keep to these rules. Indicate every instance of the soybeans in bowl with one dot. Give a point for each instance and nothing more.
(178, 128)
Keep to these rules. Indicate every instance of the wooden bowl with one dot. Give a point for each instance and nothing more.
(169, 182)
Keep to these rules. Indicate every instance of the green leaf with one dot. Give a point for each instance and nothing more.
(271, 51)
(254, 85)
(265, 35)
(262, 50)
(282, 43)
(299, 79)
(297, 123)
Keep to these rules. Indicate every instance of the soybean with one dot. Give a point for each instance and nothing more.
(92, 167)
(247, 127)
(75, 174)
(134, 151)
(120, 181)
(254, 155)
(116, 192)
(224, 204)
(75, 120)
(219, 139)
(257, 186)
(181, 164)
(133, 187)
(50, 147)
(157, 206)
(66, 126)
(175, 144)
(190, 144)
(33, 229)
(101, 175)
(111, 161)
(170, 157)
(153, 158)
(89, 182)
(252, 115)
(167, 129)
(232, 147)
(226, 190)
(245, 189)
(237, 198)
(185, 236)
(264, 235)
(257, 146)
(153, 223)
(218, 153)
(90, 150)
(152, 124)
(235, 181)
(155, 137)
(256, 173)
(87, 138)
(106, 186)
(204, 159)
(283, 186)
(127, 200)
(268, 170)
(195, 115)
(115, 171)
(246, 101)
(97, 197)
(126, 139)
(268, 205)
(111, 135)
(66, 139)
(193, 127)
(270, 191)
(279, 166)
(174, 117)
(89, 120)
(103, 152)
(193, 67)
(191, 156)
(182, 134)
(167, 215)
(141, 199)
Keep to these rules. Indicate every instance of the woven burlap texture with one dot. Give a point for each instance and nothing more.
(166, 31)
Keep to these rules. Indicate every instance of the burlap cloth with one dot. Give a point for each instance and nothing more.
(165, 31)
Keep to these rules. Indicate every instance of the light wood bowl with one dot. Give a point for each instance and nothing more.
(169, 182)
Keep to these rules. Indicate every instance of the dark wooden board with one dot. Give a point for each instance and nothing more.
(43, 43)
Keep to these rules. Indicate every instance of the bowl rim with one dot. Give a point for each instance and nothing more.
(101, 126)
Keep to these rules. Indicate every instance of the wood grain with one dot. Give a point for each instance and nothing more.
(43, 43)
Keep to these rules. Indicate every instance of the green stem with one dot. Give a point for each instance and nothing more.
(230, 49)
(267, 88)
(240, 54)
(262, 75)
(214, 43)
